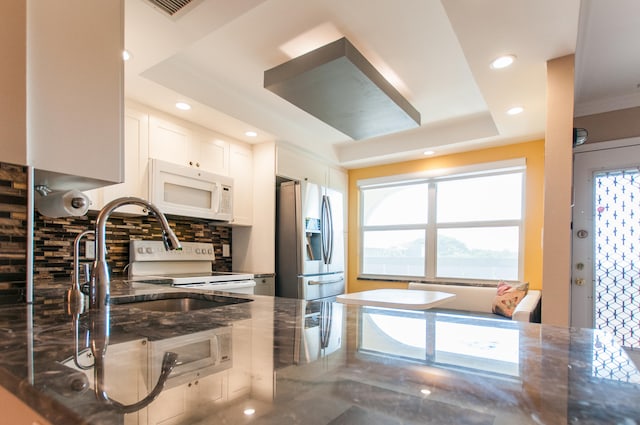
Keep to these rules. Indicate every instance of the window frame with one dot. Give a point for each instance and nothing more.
(431, 228)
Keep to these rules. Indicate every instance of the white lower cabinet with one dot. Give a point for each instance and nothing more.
(240, 375)
(177, 405)
(182, 403)
(125, 374)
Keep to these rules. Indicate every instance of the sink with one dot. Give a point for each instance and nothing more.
(176, 301)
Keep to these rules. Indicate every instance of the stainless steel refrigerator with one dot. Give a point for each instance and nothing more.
(309, 242)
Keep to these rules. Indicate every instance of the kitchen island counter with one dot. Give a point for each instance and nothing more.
(318, 363)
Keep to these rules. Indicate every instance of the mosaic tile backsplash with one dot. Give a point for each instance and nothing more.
(53, 237)
(13, 222)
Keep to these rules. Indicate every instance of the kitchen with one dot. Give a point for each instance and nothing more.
(245, 235)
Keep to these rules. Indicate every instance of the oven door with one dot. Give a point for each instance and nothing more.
(235, 286)
(199, 354)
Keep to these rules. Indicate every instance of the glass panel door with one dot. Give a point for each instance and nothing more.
(605, 292)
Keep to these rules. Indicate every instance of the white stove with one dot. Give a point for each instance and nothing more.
(190, 267)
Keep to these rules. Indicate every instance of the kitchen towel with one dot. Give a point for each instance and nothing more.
(64, 204)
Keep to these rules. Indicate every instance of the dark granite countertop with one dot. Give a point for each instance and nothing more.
(316, 363)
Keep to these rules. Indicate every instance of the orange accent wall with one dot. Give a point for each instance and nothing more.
(534, 185)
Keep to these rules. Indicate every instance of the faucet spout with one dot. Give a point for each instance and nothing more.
(100, 277)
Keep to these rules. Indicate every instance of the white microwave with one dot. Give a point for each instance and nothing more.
(190, 192)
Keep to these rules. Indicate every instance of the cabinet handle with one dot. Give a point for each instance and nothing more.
(197, 164)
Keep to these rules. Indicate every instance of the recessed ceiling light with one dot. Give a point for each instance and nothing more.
(183, 106)
(126, 55)
(428, 153)
(502, 61)
(515, 110)
(250, 133)
(249, 411)
(425, 391)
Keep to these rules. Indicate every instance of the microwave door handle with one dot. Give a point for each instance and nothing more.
(216, 198)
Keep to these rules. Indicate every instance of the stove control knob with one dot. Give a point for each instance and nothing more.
(209, 251)
(197, 250)
(149, 250)
(140, 250)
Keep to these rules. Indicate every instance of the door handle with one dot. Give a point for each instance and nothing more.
(325, 282)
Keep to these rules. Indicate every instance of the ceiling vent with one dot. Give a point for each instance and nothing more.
(337, 85)
(170, 7)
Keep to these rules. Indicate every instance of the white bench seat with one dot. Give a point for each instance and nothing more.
(480, 299)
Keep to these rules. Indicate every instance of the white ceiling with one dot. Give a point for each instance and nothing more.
(435, 52)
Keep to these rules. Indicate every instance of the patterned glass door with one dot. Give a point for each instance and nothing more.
(617, 265)
(606, 243)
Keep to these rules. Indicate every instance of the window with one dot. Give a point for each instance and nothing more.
(465, 225)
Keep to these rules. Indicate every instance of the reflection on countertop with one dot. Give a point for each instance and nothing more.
(275, 361)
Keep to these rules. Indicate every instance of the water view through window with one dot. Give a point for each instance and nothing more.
(474, 233)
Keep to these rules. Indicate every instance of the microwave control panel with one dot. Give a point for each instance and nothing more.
(226, 200)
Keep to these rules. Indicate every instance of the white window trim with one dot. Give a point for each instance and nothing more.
(431, 227)
(484, 168)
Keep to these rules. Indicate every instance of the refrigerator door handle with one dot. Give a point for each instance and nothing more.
(330, 243)
(323, 230)
(325, 282)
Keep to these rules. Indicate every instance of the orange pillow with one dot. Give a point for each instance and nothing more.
(508, 297)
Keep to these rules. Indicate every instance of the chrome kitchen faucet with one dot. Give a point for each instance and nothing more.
(100, 278)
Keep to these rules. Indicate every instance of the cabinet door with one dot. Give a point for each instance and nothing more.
(13, 82)
(136, 148)
(75, 87)
(176, 405)
(241, 169)
(125, 373)
(168, 141)
(212, 155)
(240, 374)
(136, 137)
(15, 411)
(299, 166)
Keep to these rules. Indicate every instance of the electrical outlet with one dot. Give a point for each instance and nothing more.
(90, 250)
(226, 250)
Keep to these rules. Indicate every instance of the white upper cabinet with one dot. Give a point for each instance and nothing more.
(180, 144)
(302, 166)
(13, 82)
(213, 155)
(136, 180)
(298, 166)
(241, 169)
(168, 141)
(73, 90)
